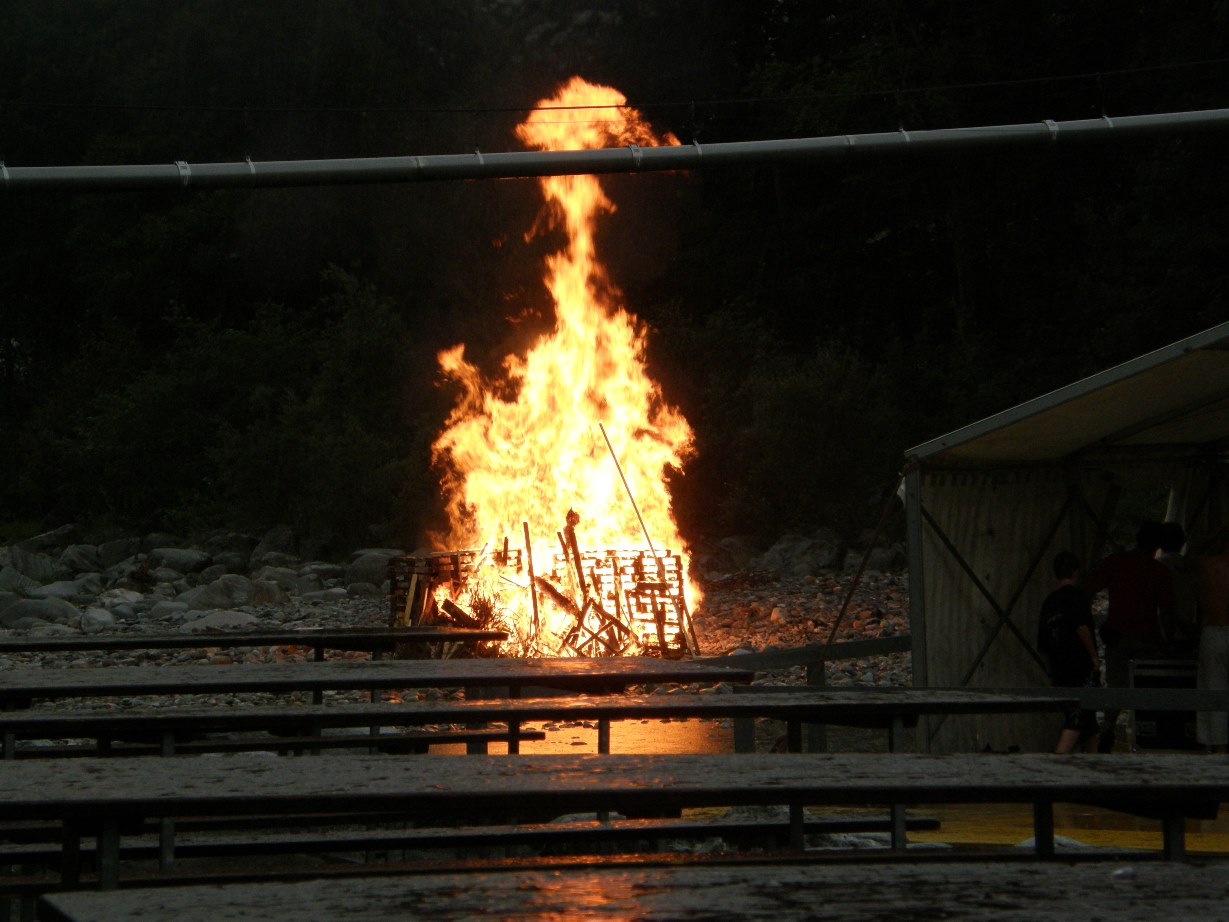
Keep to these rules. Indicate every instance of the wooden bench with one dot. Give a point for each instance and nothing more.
(844, 892)
(20, 686)
(404, 741)
(889, 708)
(99, 796)
(376, 641)
(41, 845)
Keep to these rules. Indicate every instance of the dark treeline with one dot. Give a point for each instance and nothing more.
(239, 359)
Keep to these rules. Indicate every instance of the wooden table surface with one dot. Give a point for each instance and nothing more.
(862, 892)
(591, 675)
(873, 707)
(85, 788)
(368, 639)
(100, 796)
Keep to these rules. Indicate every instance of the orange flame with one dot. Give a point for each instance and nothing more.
(532, 456)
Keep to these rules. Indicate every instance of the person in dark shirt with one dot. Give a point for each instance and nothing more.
(1065, 637)
(1141, 603)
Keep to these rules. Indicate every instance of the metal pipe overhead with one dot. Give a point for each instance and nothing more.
(630, 159)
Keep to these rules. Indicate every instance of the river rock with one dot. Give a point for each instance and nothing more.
(56, 539)
(113, 598)
(95, 620)
(67, 589)
(370, 567)
(219, 621)
(13, 581)
(40, 567)
(181, 559)
(81, 558)
(117, 551)
(226, 592)
(52, 610)
(161, 539)
(269, 592)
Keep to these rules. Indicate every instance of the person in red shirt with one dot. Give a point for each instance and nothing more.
(1141, 600)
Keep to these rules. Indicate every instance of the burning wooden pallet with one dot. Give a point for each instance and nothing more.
(631, 601)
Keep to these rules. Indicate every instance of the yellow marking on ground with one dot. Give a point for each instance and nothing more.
(1012, 824)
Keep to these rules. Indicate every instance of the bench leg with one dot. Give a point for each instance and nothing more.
(744, 734)
(1173, 831)
(166, 843)
(1043, 829)
(899, 818)
(797, 831)
(603, 735)
(897, 811)
(10, 745)
(793, 735)
(108, 854)
(70, 854)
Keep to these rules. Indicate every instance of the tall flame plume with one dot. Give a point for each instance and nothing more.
(528, 447)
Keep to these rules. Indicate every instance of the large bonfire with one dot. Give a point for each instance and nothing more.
(573, 436)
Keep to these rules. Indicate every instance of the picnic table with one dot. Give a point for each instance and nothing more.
(781, 892)
(376, 641)
(90, 795)
(889, 708)
(19, 686)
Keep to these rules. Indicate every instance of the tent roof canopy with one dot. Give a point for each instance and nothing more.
(1173, 402)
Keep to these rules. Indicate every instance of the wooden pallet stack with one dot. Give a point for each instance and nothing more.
(620, 602)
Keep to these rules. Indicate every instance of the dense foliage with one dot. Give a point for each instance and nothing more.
(247, 358)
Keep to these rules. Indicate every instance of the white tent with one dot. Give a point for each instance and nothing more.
(990, 504)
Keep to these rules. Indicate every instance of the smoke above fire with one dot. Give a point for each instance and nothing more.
(527, 446)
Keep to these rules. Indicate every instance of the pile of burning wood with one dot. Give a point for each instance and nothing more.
(589, 603)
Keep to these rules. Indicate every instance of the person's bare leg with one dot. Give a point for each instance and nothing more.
(1066, 741)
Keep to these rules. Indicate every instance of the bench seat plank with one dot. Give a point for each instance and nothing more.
(104, 795)
(836, 892)
(97, 789)
(586, 675)
(368, 640)
(869, 707)
(404, 741)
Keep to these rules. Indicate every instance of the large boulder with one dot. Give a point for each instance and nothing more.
(269, 592)
(180, 559)
(799, 555)
(371, 567)
(119, 597)
(161, 539)
(40, 567)
(54, 540)
(220, 621)
(81, 558)
(283, 576)
(94, 620)
(13, 581)
(68, 589)
(279, 540)
(232, 561)
(230, 542)
(323, 571)
(226, 592)
(25, 612)
(117, 551)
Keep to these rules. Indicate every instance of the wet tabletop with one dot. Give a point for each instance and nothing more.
(574, 783)
(1005, 892)
(570, 673)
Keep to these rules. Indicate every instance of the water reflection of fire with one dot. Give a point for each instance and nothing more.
(532, 460)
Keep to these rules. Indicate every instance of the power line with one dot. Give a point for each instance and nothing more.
(500, 110)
